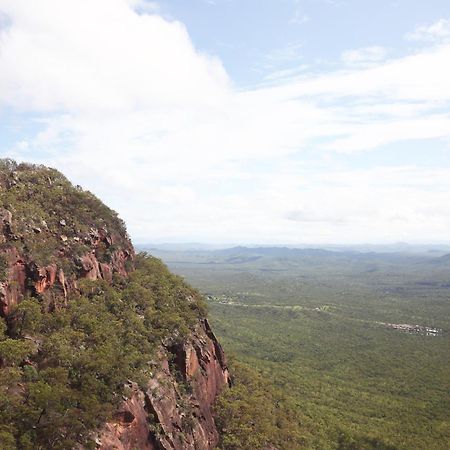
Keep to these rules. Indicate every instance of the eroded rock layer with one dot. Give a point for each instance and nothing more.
(174, 410)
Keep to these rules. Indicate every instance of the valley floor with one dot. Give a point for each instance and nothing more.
(361, 344)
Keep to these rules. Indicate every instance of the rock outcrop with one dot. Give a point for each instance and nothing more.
(174, 410)
(23, 275)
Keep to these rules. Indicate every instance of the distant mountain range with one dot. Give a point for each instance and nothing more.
(435, 250)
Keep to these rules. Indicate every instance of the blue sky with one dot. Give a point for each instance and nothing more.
(225, 121)
(255, 37)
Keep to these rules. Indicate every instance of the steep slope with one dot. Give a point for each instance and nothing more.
(99, 347)
(53, 234)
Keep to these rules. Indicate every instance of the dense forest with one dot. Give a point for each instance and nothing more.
(328, 330)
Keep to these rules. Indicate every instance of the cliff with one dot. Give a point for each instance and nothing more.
(179, 419)
(88, 323)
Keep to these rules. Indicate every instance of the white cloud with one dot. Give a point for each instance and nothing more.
(423, 76)
(372, 135)
(291, 53)
(131, 110)
(385, 203)
(144, 6)
(436, 32)
(100, 55)
(299, 17)
(364, 56)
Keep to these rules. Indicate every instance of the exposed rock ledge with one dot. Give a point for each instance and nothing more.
(24, 275)
(179, 398)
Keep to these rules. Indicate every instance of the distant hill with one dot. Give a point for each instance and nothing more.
(442, 260)
(175, 247)
(280, 252)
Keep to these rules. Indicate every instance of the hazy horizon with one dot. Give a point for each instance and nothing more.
(207, 244)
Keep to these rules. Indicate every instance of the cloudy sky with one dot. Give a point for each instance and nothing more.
(238, 121)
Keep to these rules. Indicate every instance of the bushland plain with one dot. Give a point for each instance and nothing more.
(359, 342)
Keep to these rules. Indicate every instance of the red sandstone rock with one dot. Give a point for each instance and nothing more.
(106, 272)
(184, 421)
(42, 277)
(129, 428)
(6, 223)
(12, 290)
(89, 267)
(24, 275)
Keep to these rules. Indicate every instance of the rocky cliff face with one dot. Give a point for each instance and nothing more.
(44, 253)
(24, 276)
(177, 401)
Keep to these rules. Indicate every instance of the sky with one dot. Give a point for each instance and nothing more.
(238, 121)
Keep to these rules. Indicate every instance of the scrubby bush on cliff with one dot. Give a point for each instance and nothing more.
(64, 371)
(3, 268)
(50, 214)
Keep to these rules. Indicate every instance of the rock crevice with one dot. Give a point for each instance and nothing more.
(174, 411)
